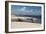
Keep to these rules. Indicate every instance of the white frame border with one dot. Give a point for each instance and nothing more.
(10, 30)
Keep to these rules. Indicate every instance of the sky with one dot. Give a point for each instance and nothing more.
(25, 10)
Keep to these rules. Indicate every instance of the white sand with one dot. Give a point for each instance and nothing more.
(25, 25)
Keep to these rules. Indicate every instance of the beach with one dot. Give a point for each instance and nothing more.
(19, 24)
(24, 25)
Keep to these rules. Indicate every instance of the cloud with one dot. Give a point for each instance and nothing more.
(23, 9)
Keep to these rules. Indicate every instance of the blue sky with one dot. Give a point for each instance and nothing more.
(25, 10)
